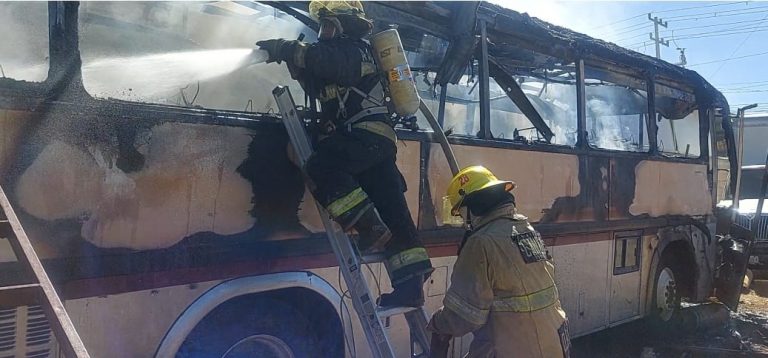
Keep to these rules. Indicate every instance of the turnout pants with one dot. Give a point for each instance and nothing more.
(353, 169)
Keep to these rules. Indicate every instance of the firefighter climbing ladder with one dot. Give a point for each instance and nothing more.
(41, 291)
(349, 263)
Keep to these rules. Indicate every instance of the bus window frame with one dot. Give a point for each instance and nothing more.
(26, 95)
(630, 79)
(622, 74)
(63, 42)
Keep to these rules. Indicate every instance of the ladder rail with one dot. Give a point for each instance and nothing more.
(62, 326)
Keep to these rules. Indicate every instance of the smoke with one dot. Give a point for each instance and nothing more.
(158, 77)
(118, 40)
(24, 40)
(616, 116)
(555, 102)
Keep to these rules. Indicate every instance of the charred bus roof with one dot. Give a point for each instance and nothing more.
(516, 40)
(442, 37)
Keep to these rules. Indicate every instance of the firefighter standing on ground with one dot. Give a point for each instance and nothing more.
(353, 167)
(502, 287)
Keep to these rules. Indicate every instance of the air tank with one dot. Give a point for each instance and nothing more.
(390, 57)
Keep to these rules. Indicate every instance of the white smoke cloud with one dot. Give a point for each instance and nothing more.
(24, 40)
(151, 51)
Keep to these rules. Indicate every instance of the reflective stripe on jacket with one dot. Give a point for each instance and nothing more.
(504, 292)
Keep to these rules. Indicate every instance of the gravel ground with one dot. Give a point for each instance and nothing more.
(745, 335)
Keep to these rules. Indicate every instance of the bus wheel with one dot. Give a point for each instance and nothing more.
(666, 293)
(251, 326)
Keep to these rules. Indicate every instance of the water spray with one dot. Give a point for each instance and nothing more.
(256, 57)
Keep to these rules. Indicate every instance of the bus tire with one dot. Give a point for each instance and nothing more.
(665, 302)
(251, 326)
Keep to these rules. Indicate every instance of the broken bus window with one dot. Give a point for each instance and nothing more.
(617, 113)
(24, 43)
(188, 54)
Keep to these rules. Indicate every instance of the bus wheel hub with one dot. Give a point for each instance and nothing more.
(261, 345)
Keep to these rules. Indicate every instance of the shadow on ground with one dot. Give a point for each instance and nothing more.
(745, 334)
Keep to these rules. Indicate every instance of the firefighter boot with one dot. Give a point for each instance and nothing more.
(373, 233)
(409, 293)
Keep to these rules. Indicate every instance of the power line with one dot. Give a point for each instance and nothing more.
(714, 25)
(743, 83)
(739, 30)
(742, 27)
(744, 88)
(637, 27)
(716, 13)
(744, 91)
(730, 59)
(701, 7)
(717, 34)
(702, 35)
(618, 21)
(739, 47)
(666, 11)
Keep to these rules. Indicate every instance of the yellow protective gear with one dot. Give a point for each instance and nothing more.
(346, 203)
(327, 8)
(470, 180)
(503, 290)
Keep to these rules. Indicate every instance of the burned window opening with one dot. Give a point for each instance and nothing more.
(617, 115)
(547, 97)
(679, 137)
(24, 48)
(170, 53)
(678, 122)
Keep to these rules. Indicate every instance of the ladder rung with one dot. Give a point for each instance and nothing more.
(372, 259)
(394, 311)
(19, 295)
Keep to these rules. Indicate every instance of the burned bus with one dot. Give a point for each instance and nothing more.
(144, 155)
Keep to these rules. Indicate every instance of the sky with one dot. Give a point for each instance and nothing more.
(725, 42)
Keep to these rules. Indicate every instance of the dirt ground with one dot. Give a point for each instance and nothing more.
(744, 335)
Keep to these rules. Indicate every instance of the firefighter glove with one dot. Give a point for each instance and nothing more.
(279, 49)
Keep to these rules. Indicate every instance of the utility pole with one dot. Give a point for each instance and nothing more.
(656, 39)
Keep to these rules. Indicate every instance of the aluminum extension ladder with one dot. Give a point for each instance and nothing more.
(350, 263)
(41, 291)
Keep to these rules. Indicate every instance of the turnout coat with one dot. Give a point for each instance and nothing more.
(503, 290)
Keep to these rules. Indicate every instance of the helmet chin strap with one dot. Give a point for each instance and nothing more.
(330, 28)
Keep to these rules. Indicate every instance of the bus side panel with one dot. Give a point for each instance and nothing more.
(664, 188)
(540, 177)
(132, 324)
(12, 126)
(196, 178)
(582, 277)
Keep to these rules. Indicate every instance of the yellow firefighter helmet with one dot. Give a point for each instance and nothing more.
(470, 180)
(325, 8)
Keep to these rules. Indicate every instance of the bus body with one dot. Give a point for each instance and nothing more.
(162, 207)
